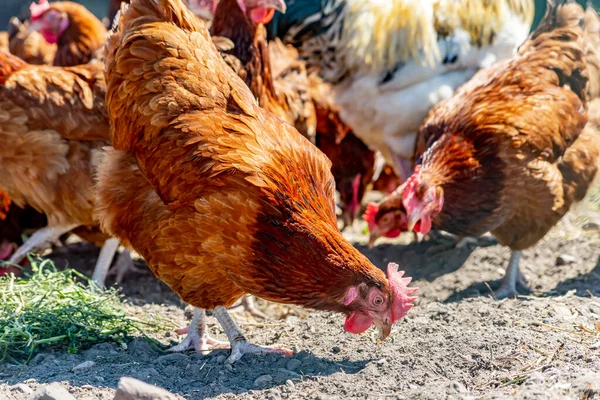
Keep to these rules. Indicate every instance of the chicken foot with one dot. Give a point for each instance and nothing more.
(41, 238)
(247, 303)
(512, 278)
(197, 336)
(239, 343)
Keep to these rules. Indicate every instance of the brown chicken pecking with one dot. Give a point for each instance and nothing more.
(54, 122)
(218, 195)
(77, 33)
(509, 153)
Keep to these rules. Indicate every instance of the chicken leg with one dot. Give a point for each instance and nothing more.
(39, 239)
(249, 306)
(512, 278)
(105, 258)
(197, 336)
(239, 343)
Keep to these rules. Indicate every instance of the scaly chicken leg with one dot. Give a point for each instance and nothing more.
(249, 306)
(239, 343)
(197, 336)
(40, 239)
(512, 278)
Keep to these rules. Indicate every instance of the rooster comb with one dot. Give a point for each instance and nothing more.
(38, 9)
(370, 213)
(402, 301)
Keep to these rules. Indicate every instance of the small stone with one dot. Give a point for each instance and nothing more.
(88, 387)
(173, 357)
(100, 379)
(288, 372)
(52, 392)
(381, 362)
(133, 389)
(289, 383)
(263, 380)
(565, 259)
(458, 387)
(591, 226)
(83, 365)
(221, 359)
(23, 388)
(39, 358)
(335, 349)
(595, 346)
(562, 311)
(293, 364)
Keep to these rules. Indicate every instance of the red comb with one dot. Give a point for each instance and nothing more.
(370, 213)
(38, 9)
(402, 301)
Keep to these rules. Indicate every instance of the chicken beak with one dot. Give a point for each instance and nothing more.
(385, 328)
(277, 5)
(372, 238)
(412, 221)
(34, 26)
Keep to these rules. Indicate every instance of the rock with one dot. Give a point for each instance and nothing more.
(52, 392)
(591, 226)
(457, 387)
(595, 346)
(84, 365)
(173, 357)
(38, 359)
(335, 349)
(263, 380)
(133, 389)
(100, 379)
(289, 383)
(288, 372)
(562, 311)
(23, 388)
(565, 259)
(381, 362)
(293, 364)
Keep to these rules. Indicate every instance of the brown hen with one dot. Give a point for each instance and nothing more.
(509, 153)
(78, 34)
(54, 123)
(219, 196)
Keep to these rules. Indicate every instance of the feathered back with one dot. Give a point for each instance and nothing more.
(592, 33)
(9, 64)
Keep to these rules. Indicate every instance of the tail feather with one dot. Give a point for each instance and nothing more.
(9, 64)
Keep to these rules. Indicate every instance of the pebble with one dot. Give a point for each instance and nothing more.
(288, 372)
(591, 226)
(263, 380)
(221, 359)
(290, 383)
(100, 379)
(173, 357)
(562, 311)
(23, 388)
(458, 387)
(335, 349)
(565, 259)
(133, 389)
(52, 392)
(293, 364)
(595, 346)
(381, 362)
(83, 365)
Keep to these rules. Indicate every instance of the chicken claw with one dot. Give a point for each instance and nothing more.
(239, 343)
(197, 336)
(512, 279)
(250, 307)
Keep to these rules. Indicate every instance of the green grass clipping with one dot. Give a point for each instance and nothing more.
(52, 308)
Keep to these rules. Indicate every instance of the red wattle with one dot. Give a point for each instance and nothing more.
(357, 323)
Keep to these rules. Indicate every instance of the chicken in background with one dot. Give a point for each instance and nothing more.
(391, 61)
(280, 87)
(54, 122)
(29, 46)
(220, 196)
(201, 8)
(509, 153)
(77, 33)
(14, 222)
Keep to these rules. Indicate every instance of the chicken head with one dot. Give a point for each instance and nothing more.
(422, 201)
(371, 306)
(51, 23)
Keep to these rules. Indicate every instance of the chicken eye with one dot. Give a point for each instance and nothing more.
(378, 300)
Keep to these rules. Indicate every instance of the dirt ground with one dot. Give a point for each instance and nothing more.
(457, 343)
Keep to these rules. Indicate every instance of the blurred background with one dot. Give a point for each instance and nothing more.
(99, 7)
